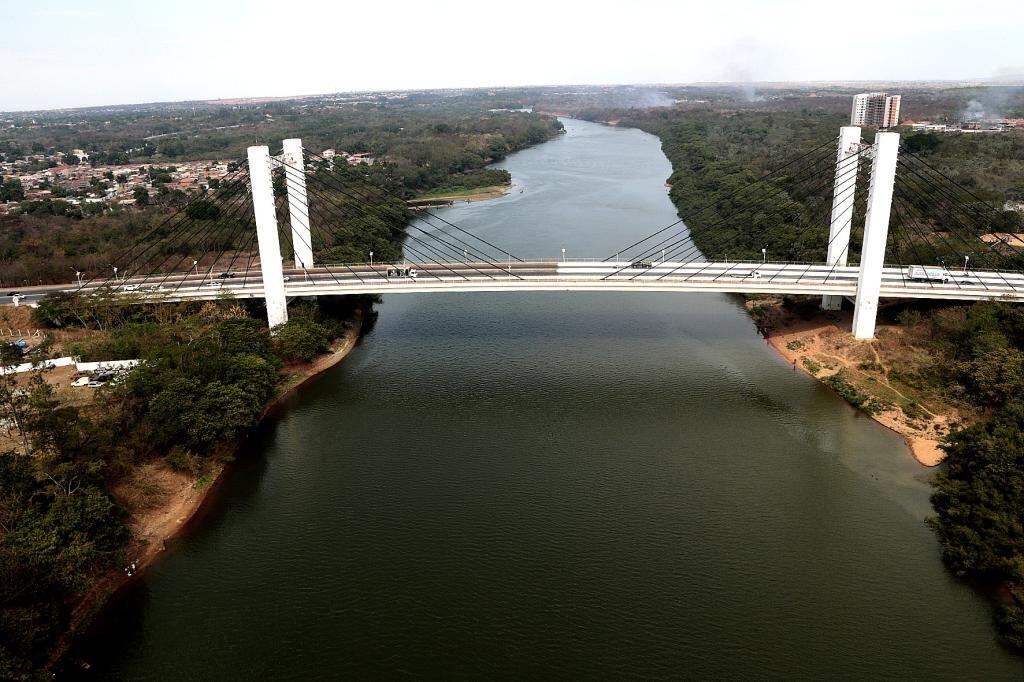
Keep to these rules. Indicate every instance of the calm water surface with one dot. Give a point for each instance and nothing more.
(596, 485)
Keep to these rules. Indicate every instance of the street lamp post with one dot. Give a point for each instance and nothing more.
(563, 255)
(371, 259)
(663, 256)
(195, 264)
(115, 273)
(78, 275)
(966, 258)
(764, 256)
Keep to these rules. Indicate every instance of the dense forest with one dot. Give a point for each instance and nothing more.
(978, 349)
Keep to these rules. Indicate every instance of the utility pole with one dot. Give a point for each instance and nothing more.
(843, 192)
(876, 233)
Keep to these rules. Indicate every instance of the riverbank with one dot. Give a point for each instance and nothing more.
(820, 344)
(161, 502)
(468, 196)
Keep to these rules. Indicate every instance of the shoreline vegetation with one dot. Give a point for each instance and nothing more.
(948, 377)
(96, 480)
(185, 497)
(445, 198)
(480, 185)
(821, 345)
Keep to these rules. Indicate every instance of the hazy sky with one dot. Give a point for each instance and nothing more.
(61, 53)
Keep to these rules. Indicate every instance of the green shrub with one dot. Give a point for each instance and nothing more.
(848, 391)
(909, 318)
(301, 339)
(913, 410)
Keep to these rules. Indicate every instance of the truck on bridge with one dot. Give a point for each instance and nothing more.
(921, 273)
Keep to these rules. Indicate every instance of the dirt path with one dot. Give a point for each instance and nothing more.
(823, 347)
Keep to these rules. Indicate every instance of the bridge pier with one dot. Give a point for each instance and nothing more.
(262, 188)
(876, 233)
(298, 203)
(843, 193)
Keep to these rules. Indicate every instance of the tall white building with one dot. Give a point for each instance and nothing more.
(878, 109)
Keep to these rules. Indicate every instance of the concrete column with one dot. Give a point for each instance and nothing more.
(266, 233)
(876, 233)
(298, 204)
(843, 191)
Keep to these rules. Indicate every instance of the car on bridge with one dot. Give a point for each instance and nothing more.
(641, 265)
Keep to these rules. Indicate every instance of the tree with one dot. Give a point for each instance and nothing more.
(979, 504)
(203, 209)
(300, 339)
(921, 142)
(141, 195)
(11, 190)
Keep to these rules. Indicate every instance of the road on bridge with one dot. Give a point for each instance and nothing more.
(549, 275)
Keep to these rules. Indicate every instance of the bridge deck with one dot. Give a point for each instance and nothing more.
(732, 277)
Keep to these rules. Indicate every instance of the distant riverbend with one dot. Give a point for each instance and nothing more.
(598, 485)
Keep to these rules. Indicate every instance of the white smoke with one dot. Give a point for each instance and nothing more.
(975, 111)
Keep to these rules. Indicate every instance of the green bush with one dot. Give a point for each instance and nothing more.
(909, 318)
(812, 366)
(301, 340)
(848, 391)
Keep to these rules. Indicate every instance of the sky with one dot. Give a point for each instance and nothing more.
(61, 53)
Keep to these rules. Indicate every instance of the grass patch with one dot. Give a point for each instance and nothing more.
(811, 366)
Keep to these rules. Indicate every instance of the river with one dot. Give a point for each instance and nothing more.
(593, 485)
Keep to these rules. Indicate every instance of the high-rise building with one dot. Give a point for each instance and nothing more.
(878, 109)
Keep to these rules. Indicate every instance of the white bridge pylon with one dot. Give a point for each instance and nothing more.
(834, 279)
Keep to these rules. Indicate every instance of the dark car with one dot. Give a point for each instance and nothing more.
(641, 264)
(227, 275)
(14, 293)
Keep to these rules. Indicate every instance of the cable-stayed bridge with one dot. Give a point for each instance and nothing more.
(914, 233)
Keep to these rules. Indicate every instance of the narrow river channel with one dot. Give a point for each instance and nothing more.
(593, 485)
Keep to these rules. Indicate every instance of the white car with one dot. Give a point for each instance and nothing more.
(214, 285)
(131, 287)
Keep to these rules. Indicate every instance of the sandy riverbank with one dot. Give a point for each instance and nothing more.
(469, 196)
(822, 346)
(161, 502)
